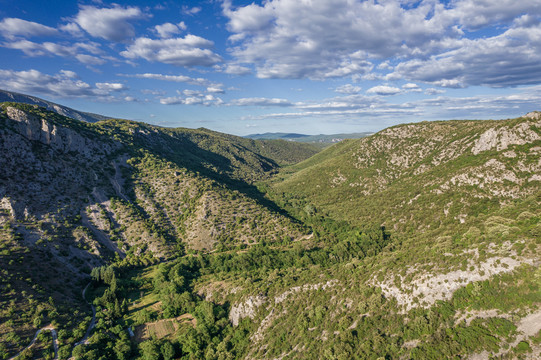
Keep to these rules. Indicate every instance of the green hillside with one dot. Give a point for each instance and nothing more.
(76, 195)
(419, 242)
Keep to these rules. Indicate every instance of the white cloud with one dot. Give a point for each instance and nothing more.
(63, 84)
(188, 51)
(235, 69)
(167, 30)
(327, 38)
(510, 59)
(175, 78)
(89, 59)
(73, 29)
(260, 102)
(433, 91)
(215, 89)
(343, 38)
(411, 87)
(111, 86)
(474, 14)
(192, 97)
(186, 10)
(384, 90)
(69, 74)
(112, 24)
(348, 89)
(12, 27)
(53, 49)
(248, 18)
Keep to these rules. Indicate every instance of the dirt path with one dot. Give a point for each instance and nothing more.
(118, 181)
(84, 340)
(55, 342)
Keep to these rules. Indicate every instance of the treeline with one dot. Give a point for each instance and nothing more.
(352, 244)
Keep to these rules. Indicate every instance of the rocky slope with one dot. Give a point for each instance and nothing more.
(462, 201)
(421, 241)
(10, 96)
(74, 196)
(422, 176)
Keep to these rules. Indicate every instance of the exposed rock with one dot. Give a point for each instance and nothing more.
(58, 137)
(246, 309)
(533, 115)
(428, 287)
(501, 138)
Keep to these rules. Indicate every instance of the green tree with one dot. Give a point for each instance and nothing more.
(150, 350)
(168, 351)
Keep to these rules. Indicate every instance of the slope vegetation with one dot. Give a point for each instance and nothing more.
(76, 195)
(421, 242)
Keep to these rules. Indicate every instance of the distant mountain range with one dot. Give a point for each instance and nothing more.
(326, 139)
(59, 109)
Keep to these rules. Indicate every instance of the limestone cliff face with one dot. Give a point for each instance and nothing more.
(58, 137)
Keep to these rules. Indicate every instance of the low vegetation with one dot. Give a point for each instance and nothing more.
(418, 242)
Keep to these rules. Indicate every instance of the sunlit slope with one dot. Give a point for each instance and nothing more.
(423, 176)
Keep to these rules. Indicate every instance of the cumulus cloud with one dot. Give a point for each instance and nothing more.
(64, 84)
(384, 90)
(191, 50)
(33, 49)
(89, 59)
(510, 105)
(434, 91)
(12, 27)
(72, 28)
(329, 38)
(192, 97)
(344, 38)
(411, 87)
(348, 89)
(474, 14)
(216, 89)
(510, 59)
(111, 86)
(186, 10)
(235, 69)
(168, 30)
(175, 78)
(112, 24)
(260, 102)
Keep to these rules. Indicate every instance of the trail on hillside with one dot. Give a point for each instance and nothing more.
(84, 340)
(50, 328)
(55, 342)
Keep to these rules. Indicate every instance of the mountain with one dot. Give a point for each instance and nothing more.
(316, 139)
(75, 196)
(123, 240)
(278, 135)
(10, 96)
(450, 170)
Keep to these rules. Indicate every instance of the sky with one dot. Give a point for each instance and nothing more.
(307, 66)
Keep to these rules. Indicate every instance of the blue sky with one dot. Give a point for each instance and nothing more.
(320, 66)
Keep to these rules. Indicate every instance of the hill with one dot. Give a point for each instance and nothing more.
(10, 96)
(423, 176)
(75, 196)
(321, 139)
(421, 241)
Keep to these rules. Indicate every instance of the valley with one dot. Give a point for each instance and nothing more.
(421, 241)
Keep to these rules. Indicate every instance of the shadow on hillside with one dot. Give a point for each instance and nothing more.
(187, 153)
